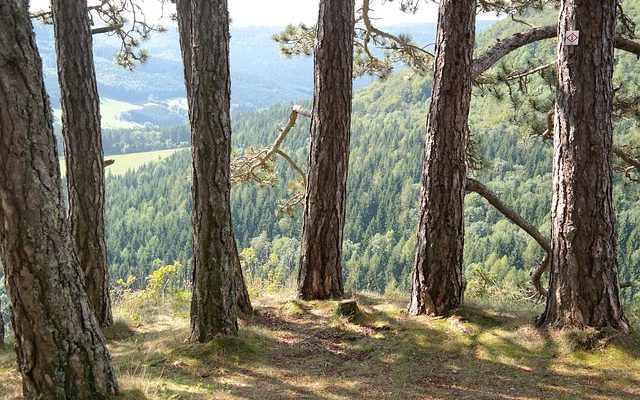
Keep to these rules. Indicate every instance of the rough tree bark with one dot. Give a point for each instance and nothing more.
(83, 149)
(438, 285)
(320, 275)
(584, 288)
(60, 350)
(184, 23)
(213, 305)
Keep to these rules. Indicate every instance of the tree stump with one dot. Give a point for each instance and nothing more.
(348, 308)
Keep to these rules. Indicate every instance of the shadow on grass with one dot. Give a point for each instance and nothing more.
(302, 351)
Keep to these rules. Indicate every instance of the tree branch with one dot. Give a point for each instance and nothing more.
(494, 53)
(626, 157)
(509, 213)
(294, 165)
(521, 74)
(627, 45)
(372, 29)
(244, 168)
(477, 187)
(106, 29)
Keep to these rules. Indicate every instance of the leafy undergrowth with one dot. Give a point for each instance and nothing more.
(302, 350)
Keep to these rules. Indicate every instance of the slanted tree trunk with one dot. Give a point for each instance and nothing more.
(584, 288)
(60, 350)
(320, 274)
(83, 149)
(213, 305)
(438, 285)
(184, 23)
(243, 301)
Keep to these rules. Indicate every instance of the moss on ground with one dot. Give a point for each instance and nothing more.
(300, 350)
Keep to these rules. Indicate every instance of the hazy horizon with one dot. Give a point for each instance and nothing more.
(282, 12)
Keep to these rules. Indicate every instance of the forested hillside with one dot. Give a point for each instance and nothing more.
(148, 211)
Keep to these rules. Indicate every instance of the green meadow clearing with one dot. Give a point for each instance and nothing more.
(130, 162)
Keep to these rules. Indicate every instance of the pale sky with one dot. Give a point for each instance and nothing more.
(282, 12)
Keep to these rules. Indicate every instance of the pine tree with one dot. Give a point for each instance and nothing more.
(584, 289)
(438, 285)
(83, 149)
(324, 213)
(206, 56)
(184, 23)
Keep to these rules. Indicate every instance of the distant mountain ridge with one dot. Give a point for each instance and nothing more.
(260, 76)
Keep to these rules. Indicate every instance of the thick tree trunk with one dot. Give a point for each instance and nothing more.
(60, 350)
(83, 149)
(584, 288)
(320, 274)
(184, 23)
(213, 305)
(438, 285)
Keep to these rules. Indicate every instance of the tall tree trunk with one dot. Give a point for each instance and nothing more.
(60, 350)
(184, 23)
(83, 149)
(438, 285)
(213, 305)
(584, 288)
(320, 274)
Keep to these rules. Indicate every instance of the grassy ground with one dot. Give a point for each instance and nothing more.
(301, 350)
(129, 162)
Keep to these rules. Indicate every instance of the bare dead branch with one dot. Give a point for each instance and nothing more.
(633, 162)
(302, 111)
(253, 166)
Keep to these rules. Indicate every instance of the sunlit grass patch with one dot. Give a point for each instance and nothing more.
(293, 349)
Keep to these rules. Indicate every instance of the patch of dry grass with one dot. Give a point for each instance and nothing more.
(302, 350)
